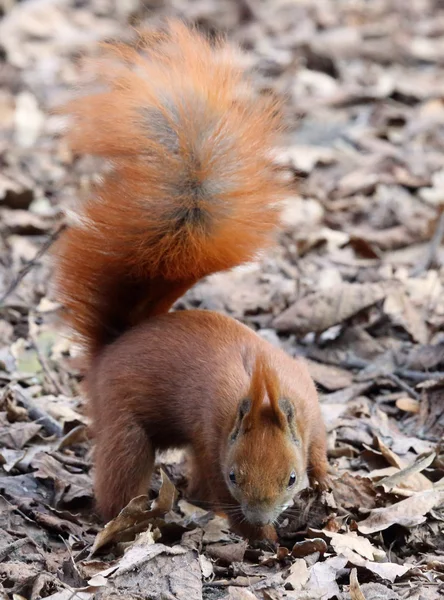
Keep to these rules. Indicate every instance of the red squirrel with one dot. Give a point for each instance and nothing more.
(189, 190)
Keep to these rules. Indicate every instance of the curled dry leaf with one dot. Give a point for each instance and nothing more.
(298, 575)
(404, 477)
(240, 593)
(355, 588)
(321, 310)
(323, 575)
(330, 377)
(227, 553)
(206, 566)
(401, 311)
(216, 530)
(408, 512)
(385, 570)
(69, 486)
(155, 570)
(135, 517)
(355, 542)
(17, 435)
(408, 404)
(409, 477)
(301, 549)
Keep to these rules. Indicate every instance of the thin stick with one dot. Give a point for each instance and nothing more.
(404, 386)
(35, 413)
(352, 362)
(30, 264)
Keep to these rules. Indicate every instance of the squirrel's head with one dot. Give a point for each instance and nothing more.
(265, 464)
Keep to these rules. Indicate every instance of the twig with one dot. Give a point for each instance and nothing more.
(404, 386)
(419, 376)
(432, 249)
(36, 413)
(71, 461)
(30, 264)
(354, 362)
(4, 552)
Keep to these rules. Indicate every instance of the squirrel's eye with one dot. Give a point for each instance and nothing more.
(292, 479)
(232, 476)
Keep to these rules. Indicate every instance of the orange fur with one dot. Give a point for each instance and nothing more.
(188, 190)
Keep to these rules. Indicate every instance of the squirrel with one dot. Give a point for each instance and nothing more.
(189, 189)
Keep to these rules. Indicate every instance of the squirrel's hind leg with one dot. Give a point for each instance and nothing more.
(124, 462)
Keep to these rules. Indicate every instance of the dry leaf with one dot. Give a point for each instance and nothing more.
(354, 542)
(227, 553)
(307, 547)
(155, 569)
(68, 486)
(323, 575)
(216, 530)
(401, 311)
(331, 378)
(17, 435)
(355, 588)
(408, 512)
(136, 516)
(385, 570)
(321, 310)
(298, 575)
(408, 404)
(404, 477)
(409, 477)
(240, 593)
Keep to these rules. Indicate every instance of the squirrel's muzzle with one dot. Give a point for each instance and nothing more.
(259, 515)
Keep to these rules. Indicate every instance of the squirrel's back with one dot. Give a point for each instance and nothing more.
(188, 187)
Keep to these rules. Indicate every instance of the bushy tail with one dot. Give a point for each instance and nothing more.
(188, 187)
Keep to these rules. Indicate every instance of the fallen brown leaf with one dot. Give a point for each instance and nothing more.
(136, 516)
(408, 512)
(401, 311)
(352, 541)
(68, 486)
(17, 435)
(301, 549)
(298, 575)
(155, 569)
(227, 553)
(321, 310)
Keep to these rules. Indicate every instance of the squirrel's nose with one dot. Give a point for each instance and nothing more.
(257, 515)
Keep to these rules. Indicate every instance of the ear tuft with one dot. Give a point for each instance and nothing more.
(272, 386)
(282, 409)
(264, 391)
(257, 388)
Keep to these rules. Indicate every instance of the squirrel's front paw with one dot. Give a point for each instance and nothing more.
(322, 484)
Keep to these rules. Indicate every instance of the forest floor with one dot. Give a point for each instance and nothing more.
(356, 285)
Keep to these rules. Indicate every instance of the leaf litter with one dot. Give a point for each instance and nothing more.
(355, 285)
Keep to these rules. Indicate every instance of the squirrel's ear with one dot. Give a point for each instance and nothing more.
(250, 407)
(271, 382)
(256, 393)
(282, 408)
(242, 411)
(264, 393)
